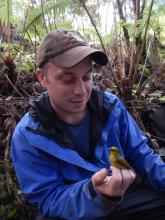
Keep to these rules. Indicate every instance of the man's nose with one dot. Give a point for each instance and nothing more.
(79, 87)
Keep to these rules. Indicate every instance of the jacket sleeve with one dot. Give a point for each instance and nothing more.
(42, 183)
(140, 155)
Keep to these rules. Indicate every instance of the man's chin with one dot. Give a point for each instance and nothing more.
(77, 110)
(78, 107)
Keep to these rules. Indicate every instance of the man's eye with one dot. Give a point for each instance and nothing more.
(87, 77)
(69, 80)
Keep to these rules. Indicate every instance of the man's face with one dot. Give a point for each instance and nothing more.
(69, 89)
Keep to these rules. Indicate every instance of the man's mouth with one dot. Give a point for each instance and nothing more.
(77, 101)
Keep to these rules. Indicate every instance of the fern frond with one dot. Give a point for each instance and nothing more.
(36, 13)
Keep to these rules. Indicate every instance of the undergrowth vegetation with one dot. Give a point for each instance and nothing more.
(133, 36)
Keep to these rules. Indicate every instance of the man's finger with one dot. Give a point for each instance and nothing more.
(116, 177)
(133, 175)
(98, 178)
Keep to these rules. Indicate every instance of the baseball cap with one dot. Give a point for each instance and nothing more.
(67, 48)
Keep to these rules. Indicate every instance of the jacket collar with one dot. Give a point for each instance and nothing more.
(50, 125)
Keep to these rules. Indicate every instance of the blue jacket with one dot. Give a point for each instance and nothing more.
(54, 176)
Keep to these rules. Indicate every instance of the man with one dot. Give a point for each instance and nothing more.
(61, 147)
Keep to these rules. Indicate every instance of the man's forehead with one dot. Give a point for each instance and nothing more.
(71, 72)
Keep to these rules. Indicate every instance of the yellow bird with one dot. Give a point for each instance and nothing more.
(117, 160)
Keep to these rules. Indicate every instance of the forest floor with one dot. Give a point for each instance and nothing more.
(13, 104)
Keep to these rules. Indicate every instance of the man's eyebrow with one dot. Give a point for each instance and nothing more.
(67, 72)
(64, 72)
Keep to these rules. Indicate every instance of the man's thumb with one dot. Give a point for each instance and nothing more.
(98, 178)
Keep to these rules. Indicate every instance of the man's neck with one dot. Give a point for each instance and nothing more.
(71, 118)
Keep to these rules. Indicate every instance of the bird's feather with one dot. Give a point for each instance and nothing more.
(117, 160)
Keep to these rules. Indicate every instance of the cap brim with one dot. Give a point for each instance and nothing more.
(75, 55)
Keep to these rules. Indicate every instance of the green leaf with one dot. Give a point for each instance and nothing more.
(35, 14)
(19, 192)
(11, 213)
(162, 98)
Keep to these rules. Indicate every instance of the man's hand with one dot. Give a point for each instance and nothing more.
(114, 185)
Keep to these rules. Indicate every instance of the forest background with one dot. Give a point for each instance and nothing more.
(130, 32)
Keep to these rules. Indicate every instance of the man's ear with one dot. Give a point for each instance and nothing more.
(41, 76)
